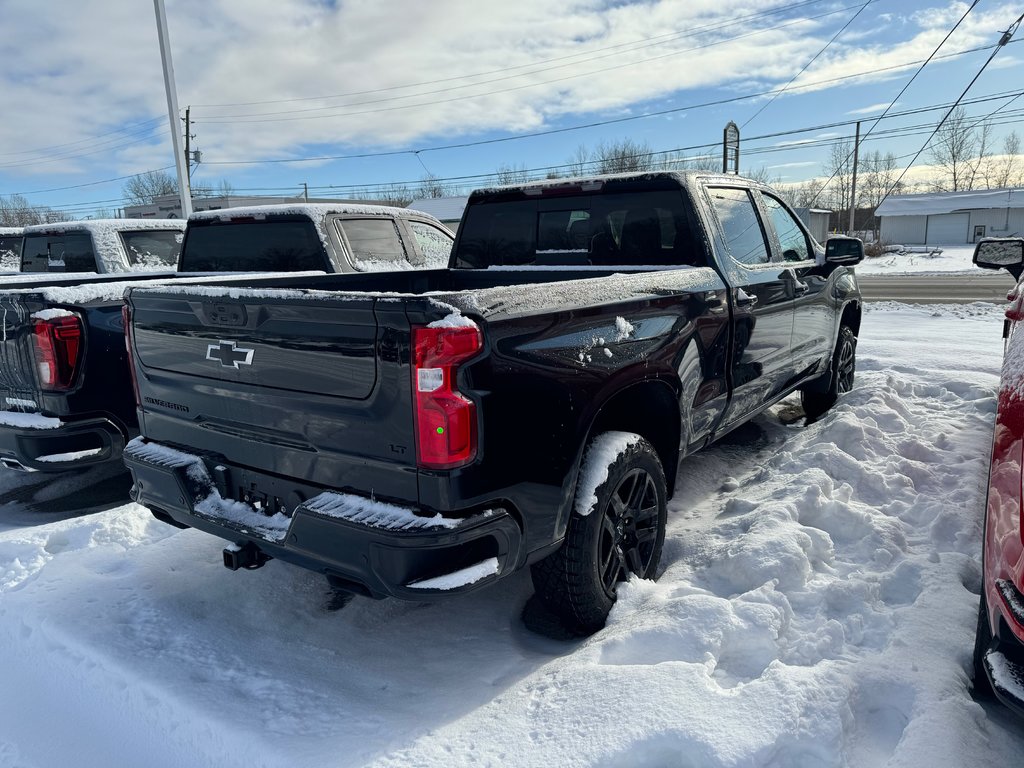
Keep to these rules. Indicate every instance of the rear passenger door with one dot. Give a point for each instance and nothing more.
(763, 301)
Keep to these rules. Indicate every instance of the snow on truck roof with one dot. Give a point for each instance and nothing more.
(316, 211)
(104, 226)
(684, 178)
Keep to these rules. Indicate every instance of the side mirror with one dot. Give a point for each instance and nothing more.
(844, 251)
(1001, 253)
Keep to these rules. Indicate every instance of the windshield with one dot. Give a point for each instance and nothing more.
(253, 246)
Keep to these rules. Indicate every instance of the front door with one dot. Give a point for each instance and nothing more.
(762, 292)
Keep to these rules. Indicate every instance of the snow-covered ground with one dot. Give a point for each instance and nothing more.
(817, 608)
(919, 258)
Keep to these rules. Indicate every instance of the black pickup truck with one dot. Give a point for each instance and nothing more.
(529, 405)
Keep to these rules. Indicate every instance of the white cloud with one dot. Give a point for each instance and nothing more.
(83, 70)
(880, 107)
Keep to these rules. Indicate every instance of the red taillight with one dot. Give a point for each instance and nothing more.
(126, 316)
(57, 344)
(445, 419)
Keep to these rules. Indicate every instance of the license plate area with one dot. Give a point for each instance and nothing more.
(264, 494)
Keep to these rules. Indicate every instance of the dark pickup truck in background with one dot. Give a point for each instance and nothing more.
(316, 236)
(103, 246)
(423, 434)
(65, 390)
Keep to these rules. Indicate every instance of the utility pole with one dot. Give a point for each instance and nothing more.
(305, 191)
(188, 130)
(184, 188)
(853, 184)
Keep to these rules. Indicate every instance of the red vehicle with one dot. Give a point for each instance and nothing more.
(999, 644)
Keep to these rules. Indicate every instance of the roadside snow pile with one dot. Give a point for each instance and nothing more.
(817, 608)
(917, 259)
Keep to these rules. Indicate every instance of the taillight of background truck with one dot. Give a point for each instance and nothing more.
(57, 344)
(126, 316)
(446, 431)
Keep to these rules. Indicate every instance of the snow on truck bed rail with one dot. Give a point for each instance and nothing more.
(504, 299)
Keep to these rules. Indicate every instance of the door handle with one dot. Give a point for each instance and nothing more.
(744, 299)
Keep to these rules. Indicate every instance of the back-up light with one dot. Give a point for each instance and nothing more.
(446, 432)
(57, 343)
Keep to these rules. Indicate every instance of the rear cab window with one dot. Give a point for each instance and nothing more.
(278, 244)
(64, 252)
(595, 224)
(153, 248)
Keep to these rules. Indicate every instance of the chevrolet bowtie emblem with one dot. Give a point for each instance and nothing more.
(228, 355)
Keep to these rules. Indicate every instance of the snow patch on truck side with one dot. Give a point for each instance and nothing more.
(600, 455)
(454, 319)
(52, 314)
(375, 514)
(461, 578)
(28, 421)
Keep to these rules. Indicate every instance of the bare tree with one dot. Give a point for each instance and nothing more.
(144, 188)
(16, 211)
(877, 177)
(958, 151)
(431, 186)
(1005, 169)
(624, 156)
(839, 166)
(580, 162)
(511, 174)
(396, 194)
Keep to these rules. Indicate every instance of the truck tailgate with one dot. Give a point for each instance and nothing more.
(280, 383)
(16, 359)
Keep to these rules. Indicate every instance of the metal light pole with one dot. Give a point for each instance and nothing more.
(184, 189)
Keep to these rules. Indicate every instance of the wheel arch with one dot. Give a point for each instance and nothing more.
(649, 408)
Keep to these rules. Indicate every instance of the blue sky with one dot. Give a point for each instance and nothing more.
(288, 80)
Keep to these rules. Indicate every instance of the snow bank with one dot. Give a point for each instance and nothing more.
(816, 608)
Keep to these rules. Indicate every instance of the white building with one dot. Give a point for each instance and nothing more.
(951, 218)
(448, 210)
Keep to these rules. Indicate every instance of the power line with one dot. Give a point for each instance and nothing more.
(39, 150)
(91, 183)
(893, 102)
(805, 66)
(569, 129)
(229, 119)
(668, 37)
(1002, 42)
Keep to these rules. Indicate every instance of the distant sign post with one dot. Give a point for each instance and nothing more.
(731, 148)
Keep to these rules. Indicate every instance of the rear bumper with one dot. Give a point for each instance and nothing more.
(374, 548)
(58, 445)
(1004, 660)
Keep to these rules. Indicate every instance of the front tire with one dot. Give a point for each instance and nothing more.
(622, 533)
(816, 402)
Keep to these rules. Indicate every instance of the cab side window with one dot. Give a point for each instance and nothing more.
(740, 225)
(791, 237)
(435, 244)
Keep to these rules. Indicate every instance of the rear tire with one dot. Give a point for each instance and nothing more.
(623, 533)
(816, 403)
